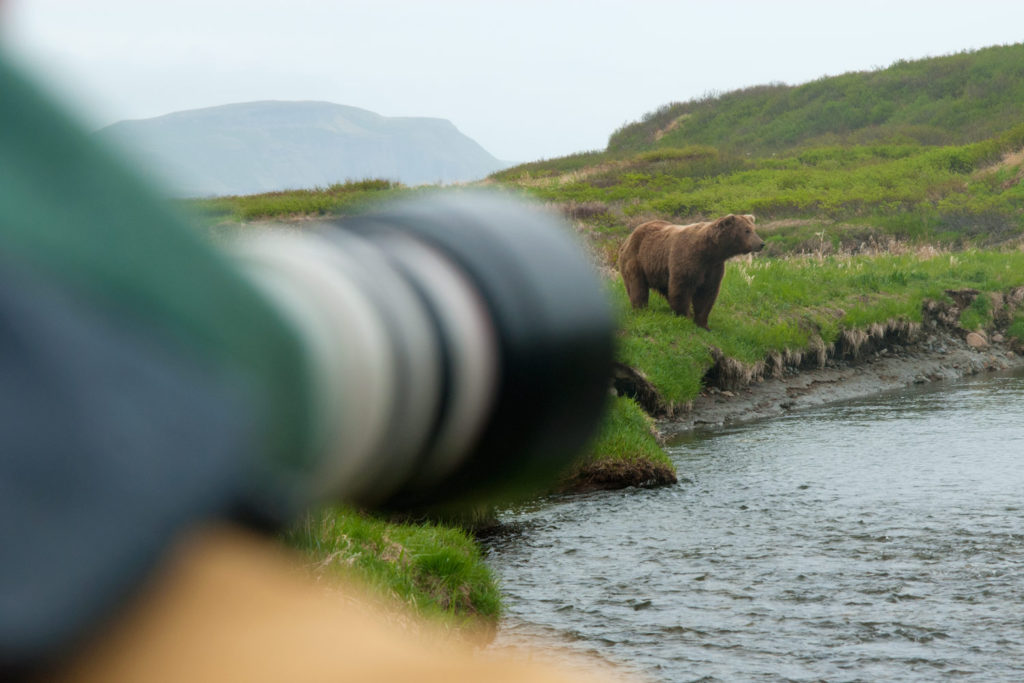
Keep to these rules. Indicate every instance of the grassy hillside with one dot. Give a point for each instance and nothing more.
(965, 195)
(950, 100)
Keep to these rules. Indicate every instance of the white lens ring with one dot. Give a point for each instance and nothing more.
(472, 351)
(326, 308)
(417, 356)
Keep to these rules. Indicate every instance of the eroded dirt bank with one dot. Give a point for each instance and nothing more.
(937, 357)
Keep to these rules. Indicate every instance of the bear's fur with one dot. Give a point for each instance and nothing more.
(684, 263)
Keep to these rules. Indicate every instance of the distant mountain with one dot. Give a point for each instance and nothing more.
(258, 147)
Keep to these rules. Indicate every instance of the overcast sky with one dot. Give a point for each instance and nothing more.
(526, 79)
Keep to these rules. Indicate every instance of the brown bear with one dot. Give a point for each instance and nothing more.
(684, 263)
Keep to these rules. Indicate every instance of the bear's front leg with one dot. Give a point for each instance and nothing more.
(704, 297)
(680, 299)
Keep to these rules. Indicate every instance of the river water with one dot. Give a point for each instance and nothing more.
(881, 540)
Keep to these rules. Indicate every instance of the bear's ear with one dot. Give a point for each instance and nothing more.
(723, 226)
(750, 216)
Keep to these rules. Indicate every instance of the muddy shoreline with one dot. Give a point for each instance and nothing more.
(938, 356)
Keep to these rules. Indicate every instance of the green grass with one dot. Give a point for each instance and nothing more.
(774, 305)
(436, 570)
(1016, 329)
(958, 195)
(335, 200)
(549, 167)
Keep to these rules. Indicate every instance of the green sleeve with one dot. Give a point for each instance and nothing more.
(73, 213)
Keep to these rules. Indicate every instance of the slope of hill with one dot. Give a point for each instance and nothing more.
(925, 151)
(949, 100)
(268, 146)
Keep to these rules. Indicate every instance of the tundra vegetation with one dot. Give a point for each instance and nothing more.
(875, 192)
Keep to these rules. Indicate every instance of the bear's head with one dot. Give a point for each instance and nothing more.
(736, 234)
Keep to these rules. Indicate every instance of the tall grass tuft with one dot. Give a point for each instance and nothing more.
(436, 570)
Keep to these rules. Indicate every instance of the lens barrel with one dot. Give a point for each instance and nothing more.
(461, 346)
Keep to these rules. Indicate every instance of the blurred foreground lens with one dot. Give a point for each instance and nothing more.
(462, 346)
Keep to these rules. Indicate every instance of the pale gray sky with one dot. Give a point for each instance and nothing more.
(527, 79)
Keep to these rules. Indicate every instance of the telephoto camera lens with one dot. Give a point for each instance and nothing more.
(460, 347)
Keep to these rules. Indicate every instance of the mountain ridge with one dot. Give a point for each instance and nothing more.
(272, 145)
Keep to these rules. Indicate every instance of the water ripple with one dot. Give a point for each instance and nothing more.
(880, 540)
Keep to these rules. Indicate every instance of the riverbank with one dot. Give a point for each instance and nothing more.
(918, 356)
(936, 356)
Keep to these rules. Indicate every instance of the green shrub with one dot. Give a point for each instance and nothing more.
(688, 153)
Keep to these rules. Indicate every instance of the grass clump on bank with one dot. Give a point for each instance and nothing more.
(626, 452)
(977, 315)
(436, 570)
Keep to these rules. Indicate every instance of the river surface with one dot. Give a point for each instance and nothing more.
(881, 540)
